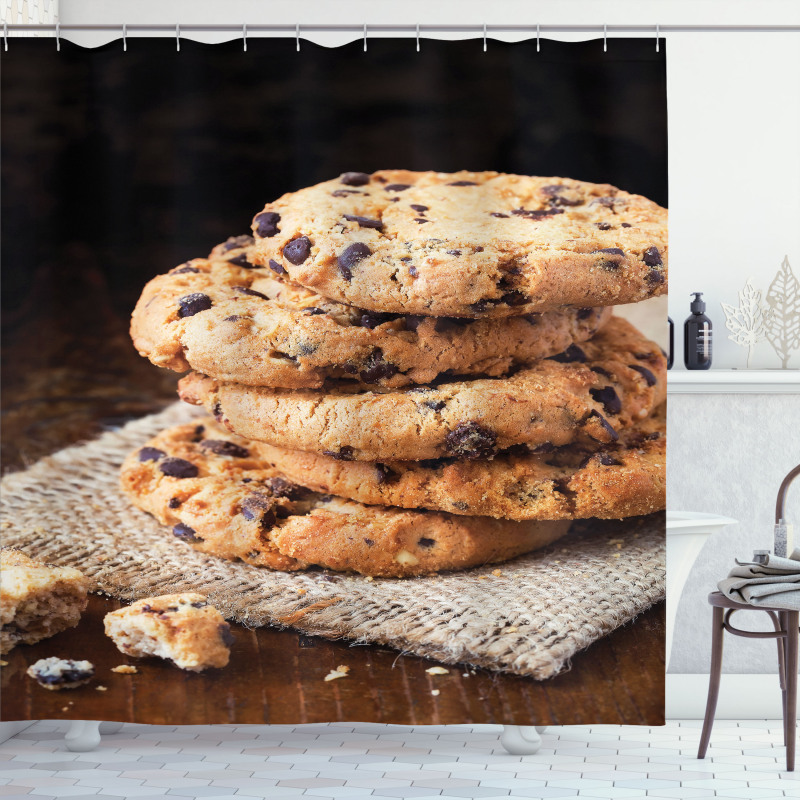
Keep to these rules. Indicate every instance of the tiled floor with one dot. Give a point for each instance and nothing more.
(745, 760)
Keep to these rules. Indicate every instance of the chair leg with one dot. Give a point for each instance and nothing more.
(790, 715)
(717, 632)
(782, 625)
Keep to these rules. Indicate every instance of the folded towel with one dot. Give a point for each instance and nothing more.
(774, 584)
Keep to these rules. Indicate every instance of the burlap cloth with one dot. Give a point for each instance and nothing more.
(528, 616)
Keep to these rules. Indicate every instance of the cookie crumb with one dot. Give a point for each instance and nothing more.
(369, 579)
(3, 663)
(465, 674)
(101, 688)
(302, 591)
(496, 573)
(125, 669)
(435, 692)
(61, 673)
(437, 671)
(340, 672)
(512, 629)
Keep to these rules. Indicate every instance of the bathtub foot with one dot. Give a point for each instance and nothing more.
(521, 740)
(110, 727)
(82, 736)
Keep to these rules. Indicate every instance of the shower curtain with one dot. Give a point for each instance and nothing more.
(409, 423)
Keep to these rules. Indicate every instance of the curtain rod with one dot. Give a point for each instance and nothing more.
(293, 29)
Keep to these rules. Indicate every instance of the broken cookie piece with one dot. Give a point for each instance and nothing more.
(61, 673)
(37, 600)
(183, 628)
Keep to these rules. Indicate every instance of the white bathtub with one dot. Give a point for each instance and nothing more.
(687, 532)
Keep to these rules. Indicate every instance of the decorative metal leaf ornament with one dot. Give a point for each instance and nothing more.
(747, 322)
(782, 327)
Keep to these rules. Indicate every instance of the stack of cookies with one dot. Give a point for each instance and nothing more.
(409, 372)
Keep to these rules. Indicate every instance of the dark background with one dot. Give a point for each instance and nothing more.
(116, 166)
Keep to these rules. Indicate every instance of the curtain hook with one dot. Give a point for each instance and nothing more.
(365, 37)
(605, 38)
(58, 36)
(297, 35)
(658, 44)
(178, 38)
(124, 38)
(484, 37)
(418, 37)
(537, 37)
(5, 35)
(244, 37)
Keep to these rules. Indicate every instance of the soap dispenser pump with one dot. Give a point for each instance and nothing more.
(697, 336)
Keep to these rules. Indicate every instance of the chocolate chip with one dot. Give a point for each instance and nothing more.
(369, 542)
(397, 187)
(312, 311)
(435, 405)
(182, 270)
(225, 634)
(601, 371)
(572, 354)
(426, 542)
(298, 250)
(345, 192)
(192, 304)
(276, 267)
(259, 507)
(280, 487)
(544, 447)
(625, 225)
(603, 226)
(350, 257)
(371, 319)
(199, 430)
(608, 460)
(462, 183)
(365, 222)
(375, 368)
(481, 306)
(354, 178)
(186, 533)
(420, 220)
(241, 261)
(420, 209)
(532, 319)
(556, 194)
(498, 214)
(235, 242)
(652, 257)
(174, 502)
(178, 468)
(515, 298)
(233, 318)
(150, 454)
(605, 424)
(217, 412)
(453, 252)
(612, 251)
(412, 322)
(248, 291)
(412, 271)
(608, 398)
(471, 440)
(655, 277)
(345, 453)
(648, 376)
(223, 448)
(383, 474)
(537, 213)
(584, 313)
(199, 604)
(267, 223)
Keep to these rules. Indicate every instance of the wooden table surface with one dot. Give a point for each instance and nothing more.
(70, 372)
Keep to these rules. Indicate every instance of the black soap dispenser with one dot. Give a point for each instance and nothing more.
(697, 336)
(671, 342)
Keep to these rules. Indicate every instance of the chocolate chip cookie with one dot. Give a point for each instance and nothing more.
(588, 393)
(466, 244)
(184, 628)
(623, 479)
(220, 497)
(227, 319)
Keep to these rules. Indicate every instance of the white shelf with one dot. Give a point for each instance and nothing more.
(734, 381)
